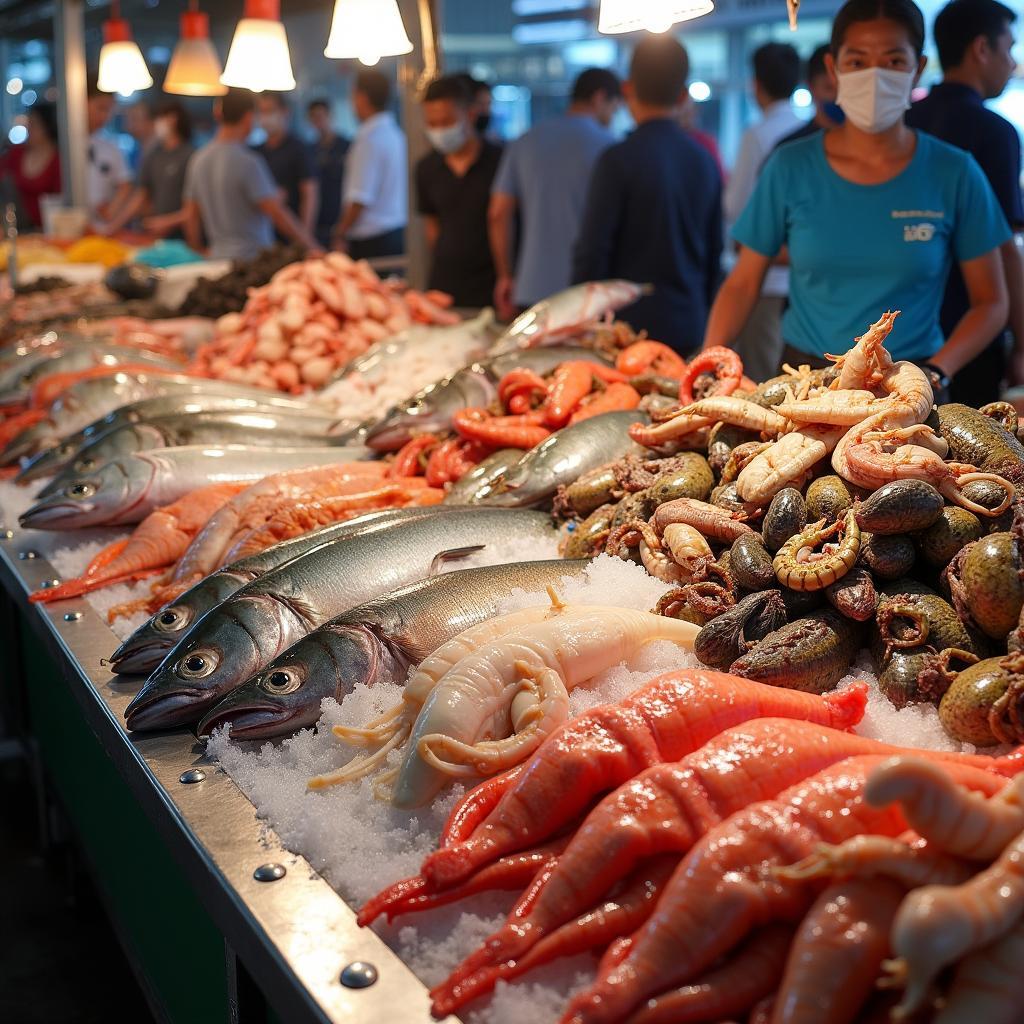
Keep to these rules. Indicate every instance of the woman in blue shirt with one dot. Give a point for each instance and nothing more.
(871, 215)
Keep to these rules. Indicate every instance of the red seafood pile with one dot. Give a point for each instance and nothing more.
(656, 833)
(310, 320)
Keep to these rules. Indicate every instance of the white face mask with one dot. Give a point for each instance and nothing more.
(874, 99)
(450, 139)
(162, 130)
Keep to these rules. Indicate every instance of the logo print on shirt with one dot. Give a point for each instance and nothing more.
(918, 232)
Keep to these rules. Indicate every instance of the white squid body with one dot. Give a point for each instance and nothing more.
(478, 707)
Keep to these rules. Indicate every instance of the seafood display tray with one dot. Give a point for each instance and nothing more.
(293, 934)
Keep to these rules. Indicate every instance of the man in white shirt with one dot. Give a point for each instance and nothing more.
(776, 76)
(375, 201)
(109, 181)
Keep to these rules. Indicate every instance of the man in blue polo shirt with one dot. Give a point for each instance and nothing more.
(974, 38)
(653, 212)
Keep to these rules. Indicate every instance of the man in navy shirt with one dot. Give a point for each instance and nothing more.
(974, 38)
(653, 212)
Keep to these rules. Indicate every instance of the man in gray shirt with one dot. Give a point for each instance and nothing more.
(229, 190)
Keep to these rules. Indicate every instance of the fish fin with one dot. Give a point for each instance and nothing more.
(452, 555)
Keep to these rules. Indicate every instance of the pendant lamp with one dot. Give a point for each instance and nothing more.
(367, 30)
(195, 68)
(652, 15)
(258, 58)
(122, 67)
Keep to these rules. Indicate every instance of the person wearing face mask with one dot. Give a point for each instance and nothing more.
(873, 214)
(974, 39)
(289, 160)
(158, 194)
(827, 113)
(543, 178)
(453, 188)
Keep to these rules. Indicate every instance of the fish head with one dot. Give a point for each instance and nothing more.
(115, 444)
(418, 416)
(225, 648)
(49, 462)
(86, 499)
(286, 696)
(28, 442)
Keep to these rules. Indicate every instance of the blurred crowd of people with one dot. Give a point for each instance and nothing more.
(872, 203)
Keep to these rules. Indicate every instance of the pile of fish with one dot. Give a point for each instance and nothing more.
(729, 848)
(310, 320)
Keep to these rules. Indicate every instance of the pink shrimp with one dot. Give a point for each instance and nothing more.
(724, 363)
(614, 398)
(155, 544)
(666, 809)
(523, 431)
(721, 888)
(668, 718)
(519, 387)
(571, 383)
(408, 460)
(650, 357)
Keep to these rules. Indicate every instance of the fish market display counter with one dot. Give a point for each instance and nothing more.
(220, 922)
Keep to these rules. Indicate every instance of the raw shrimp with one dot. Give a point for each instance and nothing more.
(785, 462)
(293, 519)
(859, 366)
(408, 459)
(155, 544)
(453, 459)
(519, 387)
(710, 520)
(656, 552)
(726, 991)
(523, 431)
(706, 413)
(837, 953)
(668, 718)
(614, 398)
(721, 889)
(650, 357)
(724, 363)
(497, 705)
(666, 809)
(570, 384)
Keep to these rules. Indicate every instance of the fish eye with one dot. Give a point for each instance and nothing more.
(280, 682)
(169, 618)
(82, 489)
(197, 665)
(85, 464)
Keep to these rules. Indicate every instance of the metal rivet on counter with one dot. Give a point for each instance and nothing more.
(269, 872)
(72, 616)
(26, 555)
(192, 775)
(48, 584)
(359, 974)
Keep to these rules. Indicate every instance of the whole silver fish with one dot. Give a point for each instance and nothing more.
(567, 313)
(431, 410)
(153, 640)
(257, 427)
(472, 487)
(91, 407)
(126, 490)
(564, 457)
(252, 627)
(376, 642)
(71, 360)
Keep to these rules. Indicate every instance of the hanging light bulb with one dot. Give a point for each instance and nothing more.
(259, 58)
(652, 15)
(195, 68)
(367, 30)
(122, 67)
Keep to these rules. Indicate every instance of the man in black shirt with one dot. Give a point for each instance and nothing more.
(329, 159)
(974, 38)
(289, 160)
(653, 212)
(453, 190)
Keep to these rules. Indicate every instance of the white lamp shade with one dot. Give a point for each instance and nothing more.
(259, 57)
(652, 15)
(367, 30)
(122, 68)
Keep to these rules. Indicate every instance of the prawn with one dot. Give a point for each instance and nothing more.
(867, 357)
(523, 431)
(452, 459)
(710, 520)
(666, 809)
(518, 388)
(408, 460)
(571, 383)
(724, 363)
(738, 412)
(785, 461)
(650, 357)
(668, 718)
(721, 888)
(614, 398)
(156, 543)
(497, 705)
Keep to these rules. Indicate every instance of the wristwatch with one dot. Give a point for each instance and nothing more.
(941, 377)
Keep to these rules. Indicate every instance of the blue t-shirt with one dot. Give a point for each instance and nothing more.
(546, 172)
(857, 250)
